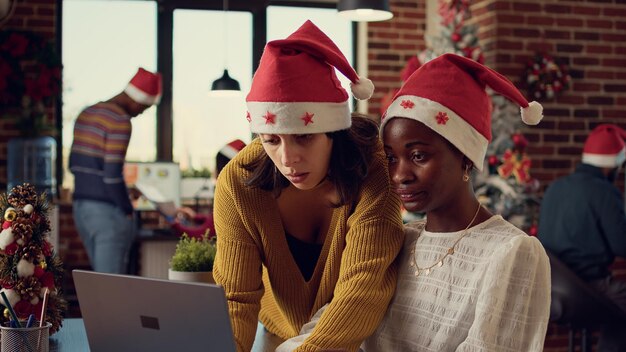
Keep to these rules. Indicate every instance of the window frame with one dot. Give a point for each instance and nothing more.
(165, 31)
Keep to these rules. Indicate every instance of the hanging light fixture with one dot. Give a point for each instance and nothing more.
(225, 85)
(365, 10)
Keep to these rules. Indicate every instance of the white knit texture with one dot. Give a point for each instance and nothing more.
(492, 294)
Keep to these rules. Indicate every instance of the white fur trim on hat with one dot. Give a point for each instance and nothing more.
(291, 118)
(363, 88)
(604, 160)
(229, 151)
(532, 114)
(140, 96)
(456, 130)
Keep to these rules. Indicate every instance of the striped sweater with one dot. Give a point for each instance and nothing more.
(355, 272)
(101, 136)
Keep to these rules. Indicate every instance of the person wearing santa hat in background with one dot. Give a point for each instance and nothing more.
(305, 215)
(226, 154)
(192, 223)
(582, 221)
(101, 204)
(468, 280)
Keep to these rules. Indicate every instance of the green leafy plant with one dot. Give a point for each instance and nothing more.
(194, 254)
(191, 172)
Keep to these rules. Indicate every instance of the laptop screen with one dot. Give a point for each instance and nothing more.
(133, 313)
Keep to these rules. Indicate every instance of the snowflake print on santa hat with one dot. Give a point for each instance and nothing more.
(407, 104)
(442, 118)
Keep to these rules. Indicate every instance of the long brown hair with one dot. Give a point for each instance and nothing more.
(350, 159)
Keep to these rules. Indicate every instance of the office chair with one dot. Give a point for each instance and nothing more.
(578, 306)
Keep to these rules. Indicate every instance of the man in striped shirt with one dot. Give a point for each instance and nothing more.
(102, 208)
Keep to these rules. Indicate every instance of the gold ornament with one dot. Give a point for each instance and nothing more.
(439, 263)
(10, 214)
(7, 314)
(43, 265)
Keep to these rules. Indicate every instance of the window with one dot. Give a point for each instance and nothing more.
(202, 125)
(104, 42)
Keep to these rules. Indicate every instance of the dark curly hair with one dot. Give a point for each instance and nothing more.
(350, 159)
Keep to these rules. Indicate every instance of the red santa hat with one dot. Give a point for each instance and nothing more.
(145, 87)
(295, 89)
(605, 146)
(448, 95)
(231, 149)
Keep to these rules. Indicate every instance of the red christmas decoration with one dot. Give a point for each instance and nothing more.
(516, 164)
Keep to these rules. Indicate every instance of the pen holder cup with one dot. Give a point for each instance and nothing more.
(33, 339)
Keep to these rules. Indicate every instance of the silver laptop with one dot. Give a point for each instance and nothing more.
(133, 313)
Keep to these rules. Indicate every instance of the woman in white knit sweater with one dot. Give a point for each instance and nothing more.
(469, 280)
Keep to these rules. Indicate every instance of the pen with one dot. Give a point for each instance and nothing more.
(31, 320)
(11, 311)
(43, 307)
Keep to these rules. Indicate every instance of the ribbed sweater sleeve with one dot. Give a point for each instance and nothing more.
(367, 277)
(237, 264)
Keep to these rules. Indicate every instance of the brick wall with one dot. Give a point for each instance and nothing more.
(391, 44)
(588, 35)
(34, 15)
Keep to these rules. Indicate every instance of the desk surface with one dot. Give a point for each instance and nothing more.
(72, 337)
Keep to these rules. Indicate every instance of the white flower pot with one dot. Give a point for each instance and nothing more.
(191, 276)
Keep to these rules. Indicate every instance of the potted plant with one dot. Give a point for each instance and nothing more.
(193, 259)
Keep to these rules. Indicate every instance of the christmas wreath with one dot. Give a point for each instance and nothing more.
(30, 78)
(545, 77)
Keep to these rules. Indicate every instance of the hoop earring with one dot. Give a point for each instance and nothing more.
(466, 173)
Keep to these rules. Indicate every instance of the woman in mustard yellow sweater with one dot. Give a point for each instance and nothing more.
(305, 215)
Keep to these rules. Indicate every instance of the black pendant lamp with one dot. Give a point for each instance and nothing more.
(225, 85)
(365, 10)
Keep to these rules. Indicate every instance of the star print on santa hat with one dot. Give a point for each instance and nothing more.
(450, 97)
(296, 76)
(442, 118)
(269, 118)
(407, 104)
(307, 118)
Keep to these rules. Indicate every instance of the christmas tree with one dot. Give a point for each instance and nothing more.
(456, 36)
(506, 186)
(30, 272)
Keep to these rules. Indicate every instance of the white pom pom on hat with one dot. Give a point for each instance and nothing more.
(295, 89)
(448, 95)
(532, 114)
(363, 88)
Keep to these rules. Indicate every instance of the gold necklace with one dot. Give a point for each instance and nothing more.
(450, 251)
